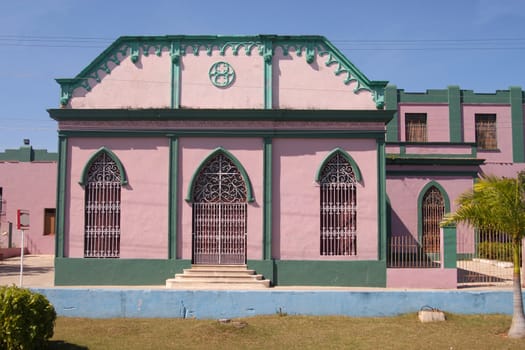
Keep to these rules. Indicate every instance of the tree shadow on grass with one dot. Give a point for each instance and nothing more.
(61, 345)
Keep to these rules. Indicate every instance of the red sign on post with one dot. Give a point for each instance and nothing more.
(22, 219)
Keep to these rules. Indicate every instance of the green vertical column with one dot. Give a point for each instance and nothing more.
(516, 111)
(449, 247)
(175, 54)
(391, 102)
(267, 198)
(61, 196)
(381, 199)
(454, 114)
(268, 70)
(173, 194)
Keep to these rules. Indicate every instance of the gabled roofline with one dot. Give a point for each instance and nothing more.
(180, 45)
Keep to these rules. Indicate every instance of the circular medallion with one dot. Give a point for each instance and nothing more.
(221, 74)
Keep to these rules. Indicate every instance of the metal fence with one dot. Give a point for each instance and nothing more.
(406, 252)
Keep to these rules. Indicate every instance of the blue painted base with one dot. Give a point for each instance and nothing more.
(202, 304)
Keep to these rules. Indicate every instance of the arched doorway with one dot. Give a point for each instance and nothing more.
(433, 209)
(219, 213)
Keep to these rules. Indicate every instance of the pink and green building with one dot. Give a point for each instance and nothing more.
(270, 151)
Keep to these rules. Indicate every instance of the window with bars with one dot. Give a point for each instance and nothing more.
(338, 207)
(433, 209)
(102, 209)
(486, 131)
(416, 127)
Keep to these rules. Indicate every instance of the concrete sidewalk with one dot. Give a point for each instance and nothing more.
(39, 271)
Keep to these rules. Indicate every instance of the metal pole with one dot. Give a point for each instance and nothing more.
(22, 261)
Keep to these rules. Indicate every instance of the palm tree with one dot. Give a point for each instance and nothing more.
(497, 203)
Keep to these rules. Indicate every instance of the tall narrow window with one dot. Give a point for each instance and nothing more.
(433, 209)
(49, 221)
(416, 127)
(338, 207)
(2, 206)
(486, 131)
(102, 209)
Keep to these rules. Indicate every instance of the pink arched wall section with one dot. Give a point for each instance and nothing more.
(296, 197)
(144, 200)
(30, 186)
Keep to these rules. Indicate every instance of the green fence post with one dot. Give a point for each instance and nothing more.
(449, 247)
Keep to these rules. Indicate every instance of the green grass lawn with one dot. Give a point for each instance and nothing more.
(286, 332)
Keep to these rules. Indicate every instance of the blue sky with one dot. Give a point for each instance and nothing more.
(414, 44)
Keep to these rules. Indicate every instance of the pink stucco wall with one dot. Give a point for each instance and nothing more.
(197, 91)
(296, 218)
(421, 278)
(437, 120)
(503, 130)
(404, 191)
(30, 186)
(300, 85)
(248, 152)
(144, 84)
(144, 214)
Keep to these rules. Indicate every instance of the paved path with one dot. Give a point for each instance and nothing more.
(39, 271)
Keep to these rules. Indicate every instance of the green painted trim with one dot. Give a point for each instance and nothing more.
(353, 134)
(265, 268)
(419, 172)
(173, 218)
(348, 157)
(499, 97)
(28, 154)
(275, 115)
(61, 197)
(420, 204)
(430, 96)
(454, 111)
(113, 156)
(175, 74)
(391, 103)
(268, 73)
(516, 108)
(393, 159)
(244, 174)
(449, 247)
(356, 273)
(267, 198)
(85, 272)
(381, 201)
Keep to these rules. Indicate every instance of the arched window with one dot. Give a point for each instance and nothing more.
(432, 211)
(338, 206)
(219, 212)
(102, 208)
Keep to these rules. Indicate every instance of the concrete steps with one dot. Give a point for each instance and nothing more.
(217, 277)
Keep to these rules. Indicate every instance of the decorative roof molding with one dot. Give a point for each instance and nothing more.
(182, 45)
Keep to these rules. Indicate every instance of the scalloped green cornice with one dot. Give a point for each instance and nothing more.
(181, 45)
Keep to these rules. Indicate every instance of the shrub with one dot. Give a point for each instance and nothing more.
(27, 319)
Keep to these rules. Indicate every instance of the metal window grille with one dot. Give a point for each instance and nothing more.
(486, 131)
(433, 209)
(219, 214)
(416, 128)
(102, 209)
(338, 208)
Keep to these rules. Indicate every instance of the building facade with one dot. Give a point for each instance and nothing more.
(270, 151)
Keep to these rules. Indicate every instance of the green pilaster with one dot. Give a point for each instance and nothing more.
(516, 110)
(268, 71)
(449, 247)
(391, 101)
(172, 199)
(61, 196)
(175, 54)
(267, 197)
(454, 113)
(381, 199)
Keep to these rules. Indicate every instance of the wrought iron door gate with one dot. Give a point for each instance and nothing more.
(219, 214)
